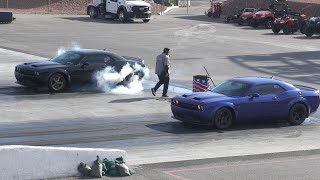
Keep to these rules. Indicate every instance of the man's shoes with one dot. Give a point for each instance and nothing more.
(153, 92)
(164, 96)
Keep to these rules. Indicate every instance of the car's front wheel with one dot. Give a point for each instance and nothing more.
(57, 82)
(122, 16)
(145, 20)
(223, 118)
(276, 29)
(297, 114)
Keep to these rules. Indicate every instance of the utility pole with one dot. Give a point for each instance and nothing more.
(7, 4)
(49, 6)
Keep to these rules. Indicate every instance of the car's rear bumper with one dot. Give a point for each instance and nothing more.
(192, 116)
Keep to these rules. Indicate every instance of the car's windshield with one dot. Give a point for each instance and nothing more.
(232, 88)
(68, 58)
(116, 57)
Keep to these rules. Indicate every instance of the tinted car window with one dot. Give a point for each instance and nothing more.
(97, 59)
(232, 88)
(68, 58)
(268, 89)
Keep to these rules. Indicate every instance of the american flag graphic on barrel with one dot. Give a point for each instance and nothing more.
(200, 83)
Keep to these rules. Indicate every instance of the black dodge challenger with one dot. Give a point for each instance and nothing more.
(72, 67)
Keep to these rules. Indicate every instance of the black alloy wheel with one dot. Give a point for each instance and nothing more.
(57, 82)
(223, 118)
(298, 113)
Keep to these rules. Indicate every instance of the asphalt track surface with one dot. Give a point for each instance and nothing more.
(142, 124)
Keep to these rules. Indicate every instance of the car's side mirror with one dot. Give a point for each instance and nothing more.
(84, 64)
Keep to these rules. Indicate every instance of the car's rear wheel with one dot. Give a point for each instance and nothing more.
(297, 114)
(57, 82)
(223, 118)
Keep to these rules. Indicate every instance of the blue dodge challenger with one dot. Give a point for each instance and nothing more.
(247, 98)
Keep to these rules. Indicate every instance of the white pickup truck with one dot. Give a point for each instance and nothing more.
(123, 10)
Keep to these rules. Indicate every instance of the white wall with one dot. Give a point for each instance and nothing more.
(34, 162)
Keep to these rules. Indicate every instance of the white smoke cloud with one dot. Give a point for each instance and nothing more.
(108, 80)
(71, 46)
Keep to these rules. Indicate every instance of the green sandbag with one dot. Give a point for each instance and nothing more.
(114, 172)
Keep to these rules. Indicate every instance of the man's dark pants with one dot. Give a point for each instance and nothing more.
(163, 80)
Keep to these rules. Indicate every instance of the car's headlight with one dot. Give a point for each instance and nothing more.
(200, 108)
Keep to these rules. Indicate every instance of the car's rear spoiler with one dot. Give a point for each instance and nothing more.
(306, 88)
(133, 59)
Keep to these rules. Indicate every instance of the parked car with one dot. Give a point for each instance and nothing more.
(289, 23)
(72, 67)
(263, 18)
(247, 98)
(235, 17)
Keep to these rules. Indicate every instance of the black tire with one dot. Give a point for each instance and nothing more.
(303, 28)
(122, 16)
(57, 82)
(240, 22)
(145, 20)
(276, 29)
(254, 24)
(223, 118)
(287, 29)
(297, 114)
(269, 24)
(93, 13)
(309, 32)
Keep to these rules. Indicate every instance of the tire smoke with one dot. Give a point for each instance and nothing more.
(111, 81)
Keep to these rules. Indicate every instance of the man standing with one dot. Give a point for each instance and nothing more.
(162, 70)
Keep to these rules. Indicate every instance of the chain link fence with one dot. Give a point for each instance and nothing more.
(45, 6)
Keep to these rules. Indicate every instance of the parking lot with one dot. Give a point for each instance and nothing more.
(142, 124)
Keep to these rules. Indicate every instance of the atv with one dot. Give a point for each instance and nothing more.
(246, 16)
(263, 18)
(312, 26)
(289, 24)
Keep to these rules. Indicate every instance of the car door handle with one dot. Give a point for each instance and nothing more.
(108, 2)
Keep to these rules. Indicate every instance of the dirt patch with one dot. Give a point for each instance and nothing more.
(74, 7)
(308, 7)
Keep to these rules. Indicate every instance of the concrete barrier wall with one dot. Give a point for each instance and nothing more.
(32, 162)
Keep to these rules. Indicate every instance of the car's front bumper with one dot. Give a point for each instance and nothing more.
(28, 80)
(192, 116)
(139, 15)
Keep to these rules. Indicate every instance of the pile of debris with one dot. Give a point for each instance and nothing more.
(105, 167)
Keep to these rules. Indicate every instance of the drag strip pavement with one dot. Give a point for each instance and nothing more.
(140, 124)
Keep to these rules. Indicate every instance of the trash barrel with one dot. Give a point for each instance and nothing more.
(200, 83)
